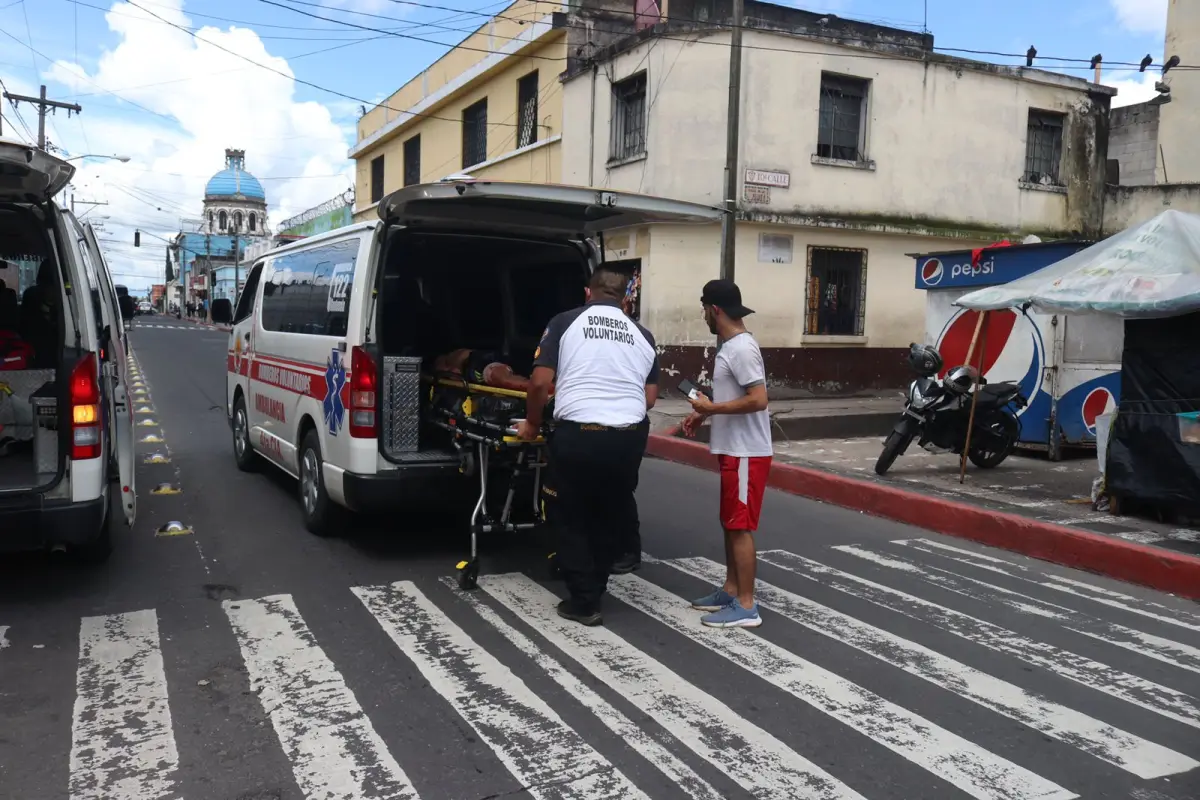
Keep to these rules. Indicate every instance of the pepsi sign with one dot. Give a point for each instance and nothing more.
(999, 265)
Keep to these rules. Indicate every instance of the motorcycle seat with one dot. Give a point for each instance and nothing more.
(998, 389)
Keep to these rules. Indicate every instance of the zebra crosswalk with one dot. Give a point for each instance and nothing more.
(1102, 680)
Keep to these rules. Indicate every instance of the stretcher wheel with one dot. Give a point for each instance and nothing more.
(468, 574)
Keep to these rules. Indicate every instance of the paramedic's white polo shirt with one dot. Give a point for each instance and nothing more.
(603, 362)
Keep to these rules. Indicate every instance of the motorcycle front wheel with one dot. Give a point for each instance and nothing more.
(895, 444)
(1002, 440)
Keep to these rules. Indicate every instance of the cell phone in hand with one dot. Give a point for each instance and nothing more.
(691, 390)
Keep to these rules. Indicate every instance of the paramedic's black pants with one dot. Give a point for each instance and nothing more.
(595, 474)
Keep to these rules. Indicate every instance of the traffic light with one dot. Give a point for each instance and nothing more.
(137, 238)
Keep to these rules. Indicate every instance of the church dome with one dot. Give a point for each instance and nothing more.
(234, 181)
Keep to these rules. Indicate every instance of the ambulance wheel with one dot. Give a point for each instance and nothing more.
(315, 505)
(243, 453)
(98, 550)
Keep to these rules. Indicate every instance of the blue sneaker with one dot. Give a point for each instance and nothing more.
(733, 616)
(713, 602)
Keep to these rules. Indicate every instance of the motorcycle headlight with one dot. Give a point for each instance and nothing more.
(915, 397)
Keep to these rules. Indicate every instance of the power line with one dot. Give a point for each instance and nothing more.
(459, 46)
(806, 34)
(293, 77)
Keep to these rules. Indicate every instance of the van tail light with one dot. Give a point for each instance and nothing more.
(364, 380)
(85, 409)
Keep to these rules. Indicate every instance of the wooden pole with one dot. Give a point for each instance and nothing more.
(962, 475)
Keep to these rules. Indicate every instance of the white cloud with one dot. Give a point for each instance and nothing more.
(207, 100)
(1141, 16)
(1131, 90)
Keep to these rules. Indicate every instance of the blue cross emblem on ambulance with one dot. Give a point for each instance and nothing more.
(335, 379)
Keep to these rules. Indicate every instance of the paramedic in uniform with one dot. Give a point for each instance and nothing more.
(604, 369)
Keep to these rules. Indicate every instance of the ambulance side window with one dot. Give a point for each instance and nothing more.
(246, 301)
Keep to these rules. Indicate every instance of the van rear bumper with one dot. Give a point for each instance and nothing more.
(35, 524)
(397, 487)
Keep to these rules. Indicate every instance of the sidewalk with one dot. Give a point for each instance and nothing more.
(1028, 504)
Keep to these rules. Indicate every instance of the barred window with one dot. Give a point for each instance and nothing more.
(1043, 148)
(474, 134)
(627, 138)
(841, 128)
(837, 292)
(412, 160)
(527, 109)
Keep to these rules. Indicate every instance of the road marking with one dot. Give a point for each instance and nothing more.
(1134, 605)
(122, 745)
(950, 757)
(542, 752)
(756, 760)
(1101, 677)
(333, 748)
(1157, 647)
(3, 636)
(626, 729)
(1131, 753)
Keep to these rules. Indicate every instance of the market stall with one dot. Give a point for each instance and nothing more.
(1148, 277)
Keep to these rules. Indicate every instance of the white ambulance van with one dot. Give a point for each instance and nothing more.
(330, 333)
(66, 426)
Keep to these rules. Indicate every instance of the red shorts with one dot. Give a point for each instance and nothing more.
(743, 482)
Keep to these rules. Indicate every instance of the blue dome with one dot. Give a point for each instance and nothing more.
(232, 181)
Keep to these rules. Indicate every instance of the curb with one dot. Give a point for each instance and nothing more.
(1145, 565)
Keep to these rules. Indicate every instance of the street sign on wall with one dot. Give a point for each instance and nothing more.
(762, 177)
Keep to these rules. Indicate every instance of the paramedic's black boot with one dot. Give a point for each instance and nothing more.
(567, 609)
(626, 564)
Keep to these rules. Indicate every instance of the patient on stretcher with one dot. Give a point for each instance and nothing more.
(481, 367)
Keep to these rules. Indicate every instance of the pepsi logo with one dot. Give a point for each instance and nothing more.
(1098, 402)
(1012, 348)
(931, 272)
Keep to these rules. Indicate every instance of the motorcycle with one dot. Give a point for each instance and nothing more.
(936, 413)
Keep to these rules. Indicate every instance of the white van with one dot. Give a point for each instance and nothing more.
(331, 333)
(66, 427)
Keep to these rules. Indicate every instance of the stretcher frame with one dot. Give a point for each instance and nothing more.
(485, 438)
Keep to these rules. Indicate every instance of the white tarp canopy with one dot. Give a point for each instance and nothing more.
(1149, 270)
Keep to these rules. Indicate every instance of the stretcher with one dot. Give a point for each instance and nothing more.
(482, 421)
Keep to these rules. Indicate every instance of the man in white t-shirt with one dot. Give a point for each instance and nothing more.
(741, 441)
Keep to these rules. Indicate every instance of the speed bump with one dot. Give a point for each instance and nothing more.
(174, 528)
(152, 439)
(166, 488)
(145, 410)
(157, 458)
(148, 423)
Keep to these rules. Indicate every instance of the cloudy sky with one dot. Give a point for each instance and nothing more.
(170, 84)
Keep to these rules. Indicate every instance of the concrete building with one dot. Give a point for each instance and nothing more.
(858, 146)
(1154, 163)
(491, 107)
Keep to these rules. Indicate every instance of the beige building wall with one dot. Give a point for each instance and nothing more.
(431, 106)
(944, 145)
(1179, 120)
(678, 260)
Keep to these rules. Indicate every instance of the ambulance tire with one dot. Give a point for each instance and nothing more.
(98, 550)
(243, 452)
(316, 507)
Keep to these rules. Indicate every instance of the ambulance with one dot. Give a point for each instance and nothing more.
(330, 334)
(66, 423)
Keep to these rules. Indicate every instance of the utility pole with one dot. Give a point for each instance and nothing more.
(732, 127)
(43, 104)
(84, 203)
(236, 267)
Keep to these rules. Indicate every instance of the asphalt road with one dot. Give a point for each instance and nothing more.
(248, 659)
